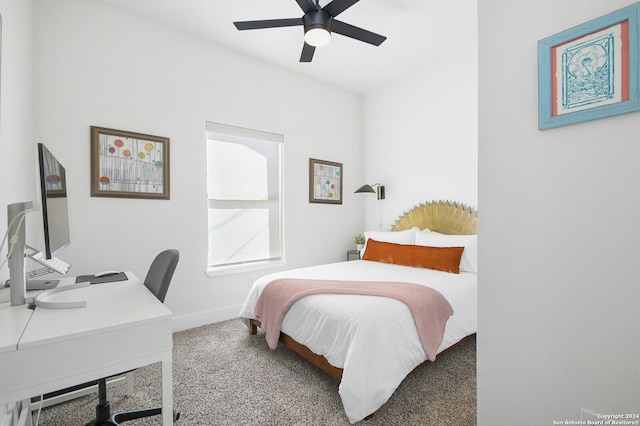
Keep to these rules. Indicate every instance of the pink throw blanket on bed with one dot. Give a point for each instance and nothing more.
(429, 307)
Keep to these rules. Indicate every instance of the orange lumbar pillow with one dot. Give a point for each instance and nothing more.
(445, 259)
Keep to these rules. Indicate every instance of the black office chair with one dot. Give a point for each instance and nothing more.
(157, 281)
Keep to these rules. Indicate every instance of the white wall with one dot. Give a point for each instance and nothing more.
(559, 288)
(421, 136)
(99, 66)
(16, 108)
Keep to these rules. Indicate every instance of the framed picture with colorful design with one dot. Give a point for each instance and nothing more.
(590, 71)
(325, 182)
(129, 165)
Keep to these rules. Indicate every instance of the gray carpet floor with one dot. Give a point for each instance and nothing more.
(224, 376)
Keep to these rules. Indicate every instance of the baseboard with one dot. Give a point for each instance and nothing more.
(185, 322)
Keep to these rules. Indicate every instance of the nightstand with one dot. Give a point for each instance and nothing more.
(353, 255)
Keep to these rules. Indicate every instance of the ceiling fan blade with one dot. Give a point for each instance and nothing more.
(307, 53)
(356, 33)
(306, 5)
(267, 23)
(336, 7)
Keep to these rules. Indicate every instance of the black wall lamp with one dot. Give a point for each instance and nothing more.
(379, 190)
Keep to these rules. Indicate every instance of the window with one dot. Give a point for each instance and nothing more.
(244, 191)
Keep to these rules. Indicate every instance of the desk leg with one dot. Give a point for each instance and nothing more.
(167, 392)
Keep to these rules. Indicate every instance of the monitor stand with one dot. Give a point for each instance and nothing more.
(39, 299)
(37, 284)
(41, 284)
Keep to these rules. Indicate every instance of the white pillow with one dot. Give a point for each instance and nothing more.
(397, 237)
(469, 260)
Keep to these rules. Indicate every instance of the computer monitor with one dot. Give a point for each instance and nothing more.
(55, 215)
(55, 210)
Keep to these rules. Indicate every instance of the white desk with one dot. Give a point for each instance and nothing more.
(123, 327)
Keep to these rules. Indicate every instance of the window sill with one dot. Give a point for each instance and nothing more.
(248, 267)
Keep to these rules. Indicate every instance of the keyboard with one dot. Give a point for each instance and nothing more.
(55, 264)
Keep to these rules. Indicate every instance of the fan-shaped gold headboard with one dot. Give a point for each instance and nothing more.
(445, 217)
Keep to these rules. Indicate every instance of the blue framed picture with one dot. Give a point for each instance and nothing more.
(590, 71)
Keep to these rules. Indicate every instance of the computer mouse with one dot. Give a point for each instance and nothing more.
(105, 274)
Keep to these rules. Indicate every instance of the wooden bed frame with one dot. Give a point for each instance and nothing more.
(440, 216)
(315, 359)
(319, 360)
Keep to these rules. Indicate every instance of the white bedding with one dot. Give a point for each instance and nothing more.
(373, 339)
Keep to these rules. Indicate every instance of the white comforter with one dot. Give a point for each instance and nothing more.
(373, 339)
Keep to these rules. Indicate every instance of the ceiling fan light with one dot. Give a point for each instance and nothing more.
(317, 36)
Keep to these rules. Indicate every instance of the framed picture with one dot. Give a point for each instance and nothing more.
(590, 71)
(325, 182)
(129, 165)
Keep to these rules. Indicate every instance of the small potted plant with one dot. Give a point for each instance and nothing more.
(359, 241)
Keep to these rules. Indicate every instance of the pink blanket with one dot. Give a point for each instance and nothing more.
(429, 308)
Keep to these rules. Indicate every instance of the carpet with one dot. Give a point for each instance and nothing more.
(224, 376)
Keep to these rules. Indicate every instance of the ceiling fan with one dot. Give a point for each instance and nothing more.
(319, 23)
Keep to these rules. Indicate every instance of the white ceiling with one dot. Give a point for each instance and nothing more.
(417, 31)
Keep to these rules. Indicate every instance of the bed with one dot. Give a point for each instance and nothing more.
(371, 343)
